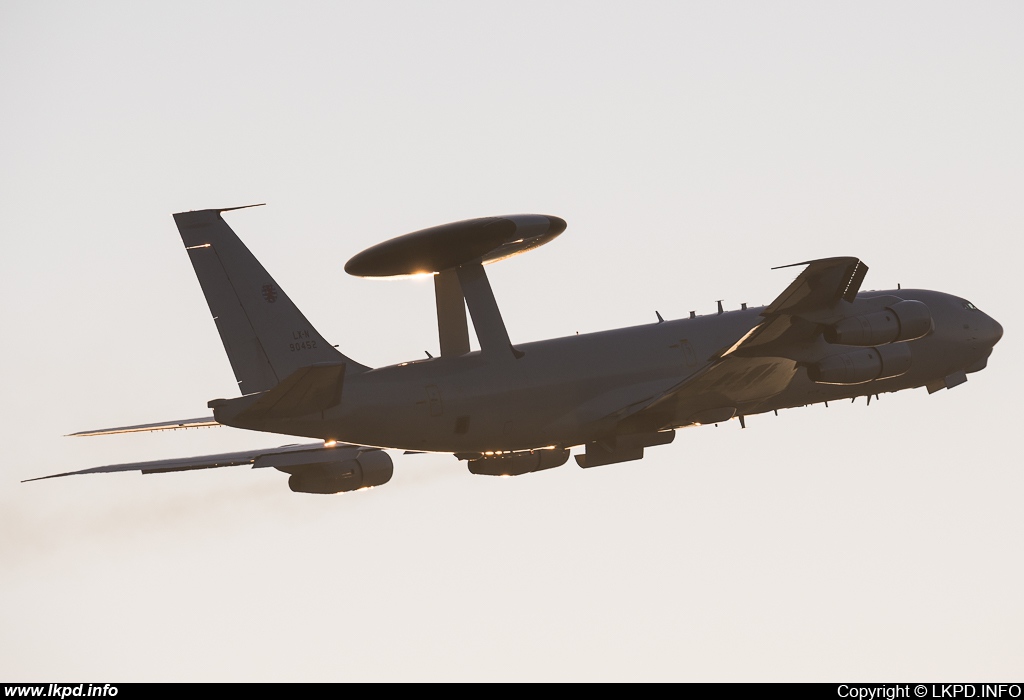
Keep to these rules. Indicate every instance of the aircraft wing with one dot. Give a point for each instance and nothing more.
(763, 362)
(265, 457)
(821, 285)
(815, 297)
(205, 422)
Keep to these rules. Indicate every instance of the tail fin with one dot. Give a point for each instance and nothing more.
(265, 335)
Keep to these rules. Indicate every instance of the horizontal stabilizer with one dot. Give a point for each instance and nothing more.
(205, 422)
(227, 459)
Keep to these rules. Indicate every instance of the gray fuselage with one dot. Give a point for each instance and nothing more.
(569, 391)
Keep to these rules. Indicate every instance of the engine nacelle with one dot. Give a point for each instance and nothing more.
(371, 468)
(622, 448)
(862, 366)
(518, 463)
(904, 320)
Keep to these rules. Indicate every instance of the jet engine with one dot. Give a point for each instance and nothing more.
(624, 448)
(518, 463)
(904, 320)
(862, 366)
(370, 468)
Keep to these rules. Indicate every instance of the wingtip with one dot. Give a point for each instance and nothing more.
(836, 259)
(48, 476)
(783, 267)
(246, 206)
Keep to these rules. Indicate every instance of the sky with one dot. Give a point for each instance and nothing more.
(690, 146)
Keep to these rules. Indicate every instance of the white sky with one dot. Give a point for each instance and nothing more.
(690, 146)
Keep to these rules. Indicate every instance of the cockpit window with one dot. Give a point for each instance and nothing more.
(969, 305)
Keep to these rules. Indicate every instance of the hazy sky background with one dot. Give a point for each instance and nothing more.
(690, 147)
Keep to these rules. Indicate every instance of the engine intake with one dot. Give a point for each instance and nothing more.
(862, 366)
(904, 320)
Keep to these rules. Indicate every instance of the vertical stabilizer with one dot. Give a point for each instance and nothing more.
(265, 335)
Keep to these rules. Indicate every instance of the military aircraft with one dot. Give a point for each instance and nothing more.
(511, 409)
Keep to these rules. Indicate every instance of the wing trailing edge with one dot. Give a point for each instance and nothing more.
(283, 456)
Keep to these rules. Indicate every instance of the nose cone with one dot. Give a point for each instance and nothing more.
(996, 331)
(555, 224)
